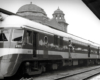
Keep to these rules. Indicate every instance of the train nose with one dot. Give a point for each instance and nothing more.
(1, 76)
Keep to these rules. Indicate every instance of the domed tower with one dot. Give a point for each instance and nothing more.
(59, 16)
(32, 12)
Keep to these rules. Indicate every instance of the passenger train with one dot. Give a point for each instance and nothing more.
(31, 48)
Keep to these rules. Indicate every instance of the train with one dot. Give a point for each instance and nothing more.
(29, 47)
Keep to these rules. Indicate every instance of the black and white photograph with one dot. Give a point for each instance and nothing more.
(50, 39)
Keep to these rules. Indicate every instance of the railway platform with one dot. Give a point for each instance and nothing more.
(77, 74)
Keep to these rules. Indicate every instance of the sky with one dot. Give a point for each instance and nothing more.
(82, 22)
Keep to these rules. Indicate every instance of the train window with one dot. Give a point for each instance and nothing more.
(46, 39)
(61, 41)
(69, 43)
(55, 40)
(4, 34)
(17, 34)
(95, 51)
(28, 37)
(98, 51)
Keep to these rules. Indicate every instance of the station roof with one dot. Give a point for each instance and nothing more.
(94, 6)
(6, 12)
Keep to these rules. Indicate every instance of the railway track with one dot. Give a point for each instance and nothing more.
(82, 73)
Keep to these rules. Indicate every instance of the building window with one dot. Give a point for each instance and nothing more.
(56, 17)
(60, 17)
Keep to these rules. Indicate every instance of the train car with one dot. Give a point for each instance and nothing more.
(28, 47)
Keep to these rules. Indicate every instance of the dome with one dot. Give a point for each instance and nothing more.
(31, 8)
(58, 11)
(32, 12)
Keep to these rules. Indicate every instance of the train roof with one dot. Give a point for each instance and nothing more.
(19, 22)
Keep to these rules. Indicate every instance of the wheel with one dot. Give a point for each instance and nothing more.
(97, 62)
(92, 62)
(54, 66)
(70, 63)
(20, 72)
(43, 68)
(88, 62)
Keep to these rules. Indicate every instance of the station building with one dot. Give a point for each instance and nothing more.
(36, 13)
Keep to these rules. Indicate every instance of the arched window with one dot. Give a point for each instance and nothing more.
(60, 17)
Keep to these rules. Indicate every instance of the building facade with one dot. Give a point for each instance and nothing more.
(35, 13)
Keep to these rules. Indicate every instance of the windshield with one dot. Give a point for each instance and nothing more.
(4, 34)
(17, 35)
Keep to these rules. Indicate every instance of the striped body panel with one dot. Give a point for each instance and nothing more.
(63, 55)
(12, 56)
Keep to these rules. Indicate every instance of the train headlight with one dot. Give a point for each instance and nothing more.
(18, 46)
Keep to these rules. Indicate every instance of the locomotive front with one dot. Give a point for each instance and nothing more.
(10, 43)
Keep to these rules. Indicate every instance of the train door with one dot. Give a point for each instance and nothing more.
(70, 48)
(89, 51)
(98, 52)
(46, 47)
(34, 44)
